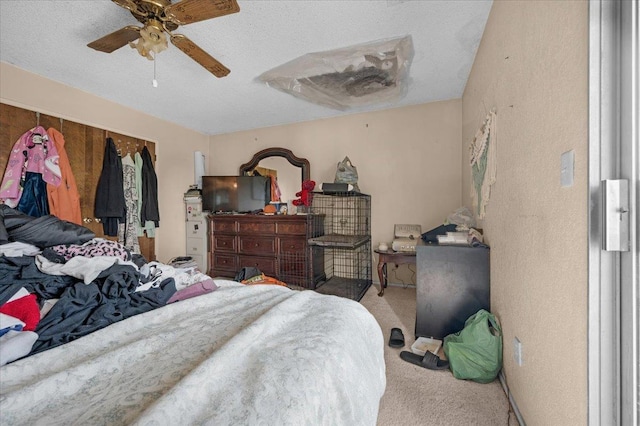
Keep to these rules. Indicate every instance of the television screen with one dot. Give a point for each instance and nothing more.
(235, 194)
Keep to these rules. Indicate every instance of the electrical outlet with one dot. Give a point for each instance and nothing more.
(517, 351)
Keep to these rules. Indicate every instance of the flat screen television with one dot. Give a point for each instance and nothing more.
(235, 194)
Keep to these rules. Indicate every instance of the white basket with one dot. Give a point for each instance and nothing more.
(424, 344)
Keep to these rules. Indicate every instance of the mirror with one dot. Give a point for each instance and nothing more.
(291, 170)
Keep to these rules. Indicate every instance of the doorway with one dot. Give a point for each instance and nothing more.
(613, 155)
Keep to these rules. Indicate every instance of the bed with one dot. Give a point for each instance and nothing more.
(242, 354)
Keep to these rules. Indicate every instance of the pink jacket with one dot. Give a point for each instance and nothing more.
(33, 152)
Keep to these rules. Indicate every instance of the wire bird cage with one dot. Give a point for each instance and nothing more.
(342, 222)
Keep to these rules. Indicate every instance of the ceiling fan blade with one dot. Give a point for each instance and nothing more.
(189, 11)
(116, 39)
(199, 55)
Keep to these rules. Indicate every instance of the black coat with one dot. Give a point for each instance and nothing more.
(110, 203)
(150, 210)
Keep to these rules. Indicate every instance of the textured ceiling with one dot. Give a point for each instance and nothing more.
(49, 38)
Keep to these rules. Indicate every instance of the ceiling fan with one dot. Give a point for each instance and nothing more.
(161, 17)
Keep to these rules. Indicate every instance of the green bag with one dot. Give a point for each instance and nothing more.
(475, 352)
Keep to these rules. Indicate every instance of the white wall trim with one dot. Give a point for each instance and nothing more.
(613, 330)
(629, 107)
(603, 303)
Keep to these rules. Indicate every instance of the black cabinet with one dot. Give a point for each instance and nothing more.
(452, 284)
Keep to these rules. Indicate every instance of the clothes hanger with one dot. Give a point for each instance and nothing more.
(36, 138)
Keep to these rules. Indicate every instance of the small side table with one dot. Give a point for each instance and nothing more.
(395, 257)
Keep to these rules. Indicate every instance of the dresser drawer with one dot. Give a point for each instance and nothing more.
(224, 243)
(225, 262)
(223, 226)
(257, 227)
(299, 228)
(257, 245)
(292, 245)
(266, 265)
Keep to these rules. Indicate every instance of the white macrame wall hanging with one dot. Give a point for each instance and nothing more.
(483, 163)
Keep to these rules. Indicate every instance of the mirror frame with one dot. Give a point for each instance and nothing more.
(303, 163)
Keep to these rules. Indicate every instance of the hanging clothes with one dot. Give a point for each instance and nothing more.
(36, 155)
(149, 226)
(276, 194)
(150, 210)
(110, 203)
(34, 196)
(128, 230)
(64, 199)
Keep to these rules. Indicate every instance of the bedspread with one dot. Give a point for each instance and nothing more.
(241, 355)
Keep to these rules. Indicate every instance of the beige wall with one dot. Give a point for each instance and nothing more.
(408, 160)
(174, 144)
(532, 66)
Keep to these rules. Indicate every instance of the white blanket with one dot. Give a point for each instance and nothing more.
(242, 355)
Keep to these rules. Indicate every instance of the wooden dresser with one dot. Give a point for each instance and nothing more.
(276, 245)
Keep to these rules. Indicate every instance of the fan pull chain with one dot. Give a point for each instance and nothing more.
(155, 82)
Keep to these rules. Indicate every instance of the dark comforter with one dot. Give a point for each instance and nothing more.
(44, 231)
(81, 308)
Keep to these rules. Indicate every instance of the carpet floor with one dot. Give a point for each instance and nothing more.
(417, 396)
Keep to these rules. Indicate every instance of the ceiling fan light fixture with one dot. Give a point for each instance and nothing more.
(152, 39)
(160, 18)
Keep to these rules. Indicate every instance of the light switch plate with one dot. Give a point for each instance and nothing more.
(566, 168)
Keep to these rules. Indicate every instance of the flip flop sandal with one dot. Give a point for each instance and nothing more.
(429, 360)
(396, 340)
